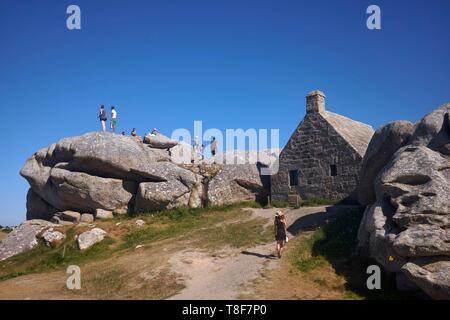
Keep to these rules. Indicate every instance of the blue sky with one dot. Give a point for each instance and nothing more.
(232, 64)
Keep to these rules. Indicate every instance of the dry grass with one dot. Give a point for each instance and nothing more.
(287, 282)
(115, 269)
(2, 235)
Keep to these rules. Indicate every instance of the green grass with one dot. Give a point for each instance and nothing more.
(336, 239)
(237, 234)
(159, 226)
(334, 245)
(303, 257)
(43, 258)
(314, 202)
(171, 223)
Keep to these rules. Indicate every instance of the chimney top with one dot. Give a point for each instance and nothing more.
(316, 93)
(315, 102)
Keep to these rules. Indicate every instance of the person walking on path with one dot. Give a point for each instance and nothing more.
(280, 231)
(113, 119)
(102, 117)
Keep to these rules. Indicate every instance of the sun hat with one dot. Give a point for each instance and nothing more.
(279, 213)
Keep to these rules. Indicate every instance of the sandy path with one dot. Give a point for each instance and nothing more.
(222, 276)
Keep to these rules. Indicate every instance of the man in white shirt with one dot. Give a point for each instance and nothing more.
(113, 119)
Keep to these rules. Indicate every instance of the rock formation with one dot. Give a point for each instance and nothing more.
(23, 238)
(406, 226)
(102, 173)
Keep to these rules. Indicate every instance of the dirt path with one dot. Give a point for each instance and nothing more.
(172, 266)
(223, 276)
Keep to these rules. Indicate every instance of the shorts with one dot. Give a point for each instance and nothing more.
(113, 122)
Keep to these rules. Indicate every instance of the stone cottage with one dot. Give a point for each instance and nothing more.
(322, 159)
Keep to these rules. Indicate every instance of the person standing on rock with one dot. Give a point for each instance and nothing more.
(102, 116)
(113, 119)
(213, 146)
(280, 231)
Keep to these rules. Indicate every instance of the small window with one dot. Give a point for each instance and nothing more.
(293, 177)
(333, 170)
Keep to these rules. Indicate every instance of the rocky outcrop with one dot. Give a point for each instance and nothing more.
(385, 142)
(103, 172)
(407, 226)
(23, 238)
(159, 141)
(234, 183)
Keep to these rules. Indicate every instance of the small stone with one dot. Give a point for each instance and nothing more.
(87, 218)
(51, 236)
(89, 238)
(140, 222)
(139, 246)
(56, 219)
(121, 211)
(103, 214)
(68, 215)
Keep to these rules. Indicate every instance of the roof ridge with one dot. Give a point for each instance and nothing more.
(340, 115)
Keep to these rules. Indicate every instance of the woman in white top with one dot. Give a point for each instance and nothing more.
(113, 119)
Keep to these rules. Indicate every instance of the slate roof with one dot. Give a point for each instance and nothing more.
(357, 134)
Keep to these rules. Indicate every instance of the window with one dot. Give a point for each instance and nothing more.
(333, 170)
(293, 177)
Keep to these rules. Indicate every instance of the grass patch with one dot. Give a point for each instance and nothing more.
(333, 245)
(336, 239)
(3, 235)
(314, 202)
(104, 283)
(159, 226)
(302, 253)
(43, 258)
(237, 234)
(172, 223)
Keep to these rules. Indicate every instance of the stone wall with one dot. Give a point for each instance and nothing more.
(314, 146)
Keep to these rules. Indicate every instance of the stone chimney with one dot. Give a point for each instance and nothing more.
(315, 102)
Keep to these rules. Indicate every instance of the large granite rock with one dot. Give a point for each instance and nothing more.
(100, 172)
(385, 142)
(407, 229)
(99, 154)
(431, 275)
(37, 208)
(235, 183)
(159, 141)
(162, 195)
(23, 238)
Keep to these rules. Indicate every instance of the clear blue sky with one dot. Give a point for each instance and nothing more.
(231, 64)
